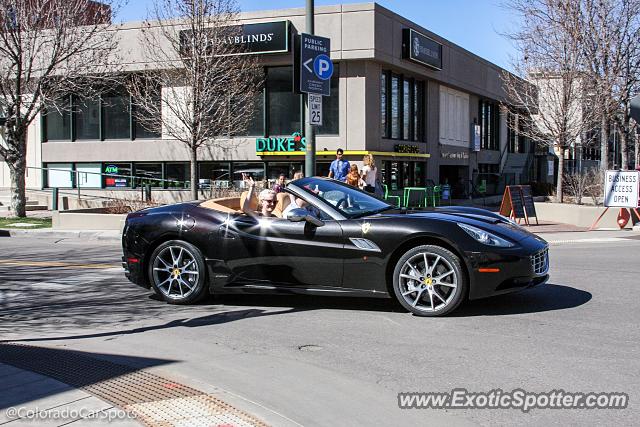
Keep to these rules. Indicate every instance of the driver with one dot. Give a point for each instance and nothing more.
(298, 203)
(266, 200)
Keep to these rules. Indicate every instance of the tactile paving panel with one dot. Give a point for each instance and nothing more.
(156, 401)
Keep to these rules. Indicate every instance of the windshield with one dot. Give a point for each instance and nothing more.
(350, 201)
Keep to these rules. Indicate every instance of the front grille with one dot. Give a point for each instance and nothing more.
(540, 262)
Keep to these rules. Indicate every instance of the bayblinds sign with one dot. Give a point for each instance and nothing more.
(419, 48)
(247, 39)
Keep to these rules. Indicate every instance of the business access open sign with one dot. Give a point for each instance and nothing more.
(621, 189)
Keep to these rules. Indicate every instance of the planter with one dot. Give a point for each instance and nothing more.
(87, 219)
(580, 215)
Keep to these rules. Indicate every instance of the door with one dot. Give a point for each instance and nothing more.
(281, 252)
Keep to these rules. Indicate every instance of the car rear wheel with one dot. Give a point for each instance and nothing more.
(177, 272)
(428, 281)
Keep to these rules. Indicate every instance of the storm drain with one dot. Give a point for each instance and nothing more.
(156, 401)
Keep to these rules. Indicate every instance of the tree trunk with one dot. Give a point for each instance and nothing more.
(559, 192)
(624, 150)
(604, 145)
(194, 174)
(17, 162)
(636, 147)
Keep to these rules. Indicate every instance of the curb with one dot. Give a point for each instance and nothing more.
(102, 235)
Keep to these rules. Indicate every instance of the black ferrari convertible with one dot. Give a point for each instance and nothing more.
(344, 242)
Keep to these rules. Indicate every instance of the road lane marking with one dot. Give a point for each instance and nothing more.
(22, 263)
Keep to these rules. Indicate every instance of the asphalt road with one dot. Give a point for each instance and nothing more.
(334, 361)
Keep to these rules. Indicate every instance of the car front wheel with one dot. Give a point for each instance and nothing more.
(428, 281)
(177, 272)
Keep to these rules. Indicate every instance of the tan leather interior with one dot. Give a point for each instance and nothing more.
(283, 201)
(234, 204)
(253, 203)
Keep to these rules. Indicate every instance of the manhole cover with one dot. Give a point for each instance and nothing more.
(309, 347)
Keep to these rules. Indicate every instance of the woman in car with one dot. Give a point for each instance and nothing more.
(267, 200)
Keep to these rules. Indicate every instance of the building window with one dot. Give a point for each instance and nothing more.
(178, 175)
(489, 125)
(331, 107)
(401, 107)
(89, 175)
(283, 104)
(255, 127)
(406, 109)
(57, 121)
(384, 131)
(148, 174)
(395, 107)
(516, 125)
(152, 127)
(116, 175)
(86, 119)
(60, 175)
(253, 169)
(116, 116)
(214, 174)
(454, 117)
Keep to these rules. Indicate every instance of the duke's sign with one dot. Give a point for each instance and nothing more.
(288, 144)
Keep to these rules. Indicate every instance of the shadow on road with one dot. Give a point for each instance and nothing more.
(547, 297)
(89, 371)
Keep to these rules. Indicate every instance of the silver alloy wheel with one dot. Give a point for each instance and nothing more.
(175, 272)
(428, 282)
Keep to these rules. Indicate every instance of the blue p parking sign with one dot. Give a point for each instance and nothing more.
(323, 67)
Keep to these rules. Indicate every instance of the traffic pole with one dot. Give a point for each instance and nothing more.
(309, 131)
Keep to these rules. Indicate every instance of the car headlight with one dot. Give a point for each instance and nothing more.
(485, 237)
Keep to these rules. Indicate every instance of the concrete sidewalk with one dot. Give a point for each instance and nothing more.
(30, 399)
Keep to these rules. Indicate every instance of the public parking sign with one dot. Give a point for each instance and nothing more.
(621, 189)
(315, 65)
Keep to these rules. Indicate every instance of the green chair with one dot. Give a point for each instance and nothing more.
(433, 195)
(387, 196)
(437, 195)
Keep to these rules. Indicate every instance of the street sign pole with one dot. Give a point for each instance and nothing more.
(309, 131)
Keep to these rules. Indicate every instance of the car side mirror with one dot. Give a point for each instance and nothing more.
(298, 215)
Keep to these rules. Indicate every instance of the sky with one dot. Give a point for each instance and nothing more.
(472, 24)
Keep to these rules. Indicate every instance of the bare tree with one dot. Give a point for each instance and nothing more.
(48, 48)
(549, 84)
(609, 33)
(204, 85)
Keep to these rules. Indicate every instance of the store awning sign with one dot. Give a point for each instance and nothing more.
(419, 48)
(248, 39)
(290, 144)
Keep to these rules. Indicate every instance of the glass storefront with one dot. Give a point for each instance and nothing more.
(178, 175)
(116, 175)
(148, 174)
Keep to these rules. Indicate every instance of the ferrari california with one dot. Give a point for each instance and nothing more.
(344, 242)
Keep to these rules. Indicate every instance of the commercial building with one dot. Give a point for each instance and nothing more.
(427, 109)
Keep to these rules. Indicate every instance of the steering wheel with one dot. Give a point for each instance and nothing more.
(342, 201)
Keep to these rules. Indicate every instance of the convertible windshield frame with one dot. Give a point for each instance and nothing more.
(307, 187)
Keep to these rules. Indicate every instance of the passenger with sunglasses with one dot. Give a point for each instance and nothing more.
(267, 200)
